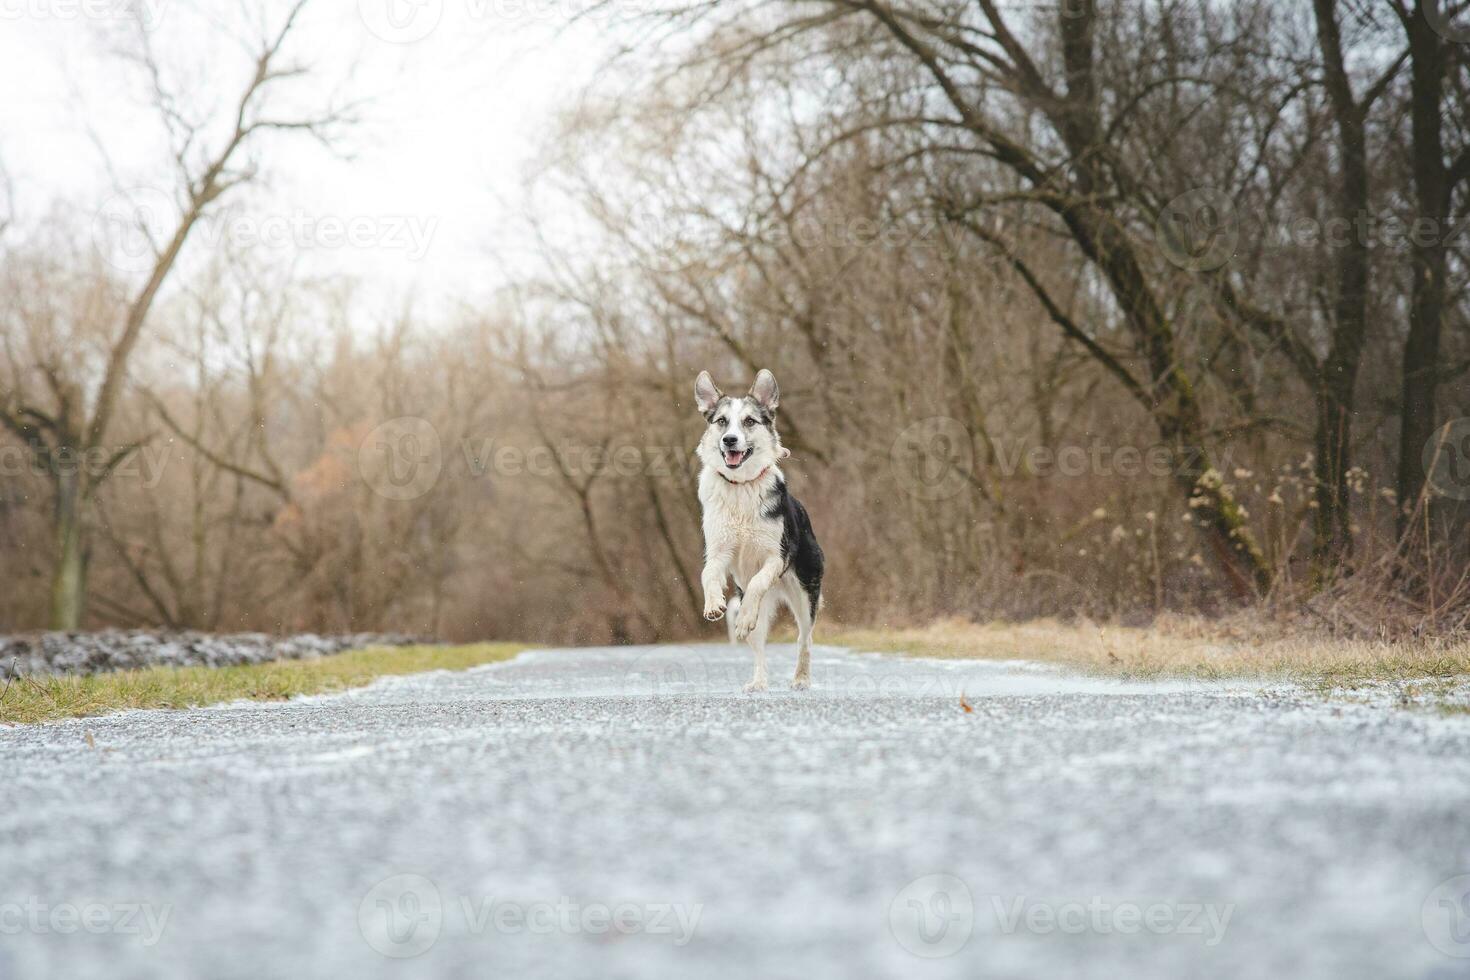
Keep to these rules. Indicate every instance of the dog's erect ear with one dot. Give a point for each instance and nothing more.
(706, 395)
(765, 392)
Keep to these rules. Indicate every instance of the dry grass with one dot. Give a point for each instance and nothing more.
(1172, 647)
(49, 698)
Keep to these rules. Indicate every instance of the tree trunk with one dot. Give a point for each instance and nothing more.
(1213, 506)
(1428, 264)
(69, 581)
(1173, 402)
(1332, 535)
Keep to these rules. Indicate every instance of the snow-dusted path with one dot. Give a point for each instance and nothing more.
(627, 812)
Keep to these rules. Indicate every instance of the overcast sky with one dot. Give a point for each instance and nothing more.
(462, 94)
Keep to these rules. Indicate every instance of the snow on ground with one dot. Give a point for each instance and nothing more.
(104, 650)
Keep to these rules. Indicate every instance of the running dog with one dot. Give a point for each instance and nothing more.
(754, 530)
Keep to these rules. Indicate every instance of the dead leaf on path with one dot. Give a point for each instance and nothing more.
(965, 704)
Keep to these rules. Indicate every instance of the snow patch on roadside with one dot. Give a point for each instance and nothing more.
(97, 652)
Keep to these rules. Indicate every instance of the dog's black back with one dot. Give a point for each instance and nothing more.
(799, 548)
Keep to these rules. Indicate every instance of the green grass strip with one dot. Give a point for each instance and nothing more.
(32, 699)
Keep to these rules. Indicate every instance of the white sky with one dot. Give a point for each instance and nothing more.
(456, 116)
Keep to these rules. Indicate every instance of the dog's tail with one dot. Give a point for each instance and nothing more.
(732, 610)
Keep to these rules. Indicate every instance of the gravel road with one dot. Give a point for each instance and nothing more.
(627, 812)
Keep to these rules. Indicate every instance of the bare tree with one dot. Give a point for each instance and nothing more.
(1438, 172)
(941, 214)
(991, 86)
(1338, 372)
(64, 419)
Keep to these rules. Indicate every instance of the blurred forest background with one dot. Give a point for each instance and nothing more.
(1104, 308)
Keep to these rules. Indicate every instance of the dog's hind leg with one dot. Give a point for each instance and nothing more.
(763, 615)
(732, 612)
(801, 608)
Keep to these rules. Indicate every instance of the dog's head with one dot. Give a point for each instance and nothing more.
(740, 440)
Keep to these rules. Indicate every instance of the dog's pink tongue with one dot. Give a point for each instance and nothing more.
(733, 459)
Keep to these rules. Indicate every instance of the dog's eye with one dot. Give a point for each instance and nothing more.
(721, 420)
(748, 422)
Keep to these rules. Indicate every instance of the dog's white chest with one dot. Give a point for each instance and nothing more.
(735, 523)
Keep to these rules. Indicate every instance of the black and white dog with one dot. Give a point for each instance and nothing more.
(754, 530)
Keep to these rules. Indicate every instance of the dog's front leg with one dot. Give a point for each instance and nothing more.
(755, 590)
(716, 567)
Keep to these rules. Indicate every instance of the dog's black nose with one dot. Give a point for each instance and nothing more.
(731, 441)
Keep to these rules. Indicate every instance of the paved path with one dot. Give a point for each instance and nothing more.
(608, 813)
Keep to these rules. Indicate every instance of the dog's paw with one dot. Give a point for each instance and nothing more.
(714, 612)
(745, 622)
(801, 683)
(756, 686)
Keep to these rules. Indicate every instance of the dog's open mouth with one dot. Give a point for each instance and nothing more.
(733, 459)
